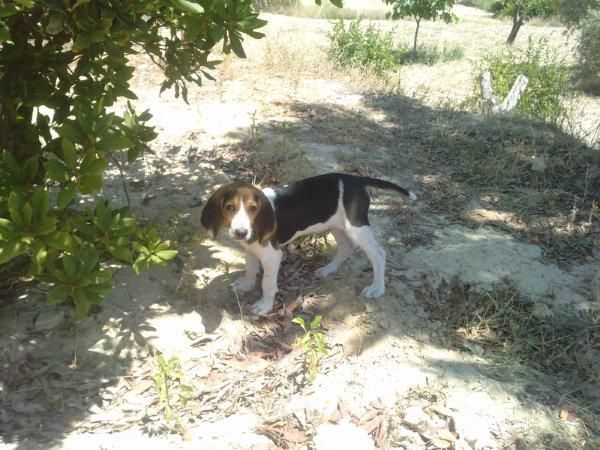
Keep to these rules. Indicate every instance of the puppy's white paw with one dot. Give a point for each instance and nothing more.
(373, 291)
(244, 285)
(322, 272)
(262, 307)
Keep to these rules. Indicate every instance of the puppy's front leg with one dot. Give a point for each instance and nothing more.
(270, 259)
(248, 282)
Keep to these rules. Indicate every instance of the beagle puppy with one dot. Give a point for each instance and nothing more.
(265, 220)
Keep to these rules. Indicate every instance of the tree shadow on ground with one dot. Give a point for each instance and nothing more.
(65, 379)
(465, 161)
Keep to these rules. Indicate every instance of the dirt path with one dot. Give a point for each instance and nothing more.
(390, 378)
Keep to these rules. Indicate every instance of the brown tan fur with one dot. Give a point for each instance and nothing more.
(222, 206)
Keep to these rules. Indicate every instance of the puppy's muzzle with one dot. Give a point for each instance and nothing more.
(240, 233)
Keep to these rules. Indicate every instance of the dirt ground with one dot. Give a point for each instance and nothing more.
(394, 376)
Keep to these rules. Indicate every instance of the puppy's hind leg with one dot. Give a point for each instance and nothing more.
(345, 247)
(363, 237)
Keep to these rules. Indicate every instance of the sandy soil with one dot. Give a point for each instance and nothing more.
(390, 378)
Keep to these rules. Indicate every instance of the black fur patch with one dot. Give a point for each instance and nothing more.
(315, 199)
(305, 203)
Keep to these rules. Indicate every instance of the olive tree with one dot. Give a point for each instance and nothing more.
(63, 66)
(524, 10)
(421, 10)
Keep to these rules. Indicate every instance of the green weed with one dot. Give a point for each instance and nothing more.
(169, 383)
(312, 343)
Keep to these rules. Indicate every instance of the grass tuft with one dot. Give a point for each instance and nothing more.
(561, 350)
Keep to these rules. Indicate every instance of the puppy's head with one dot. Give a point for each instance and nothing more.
(243, 209)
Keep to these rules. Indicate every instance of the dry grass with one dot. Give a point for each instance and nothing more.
(557, 354)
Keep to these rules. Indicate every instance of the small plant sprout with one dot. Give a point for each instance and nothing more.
(312, 343)
(169, 382)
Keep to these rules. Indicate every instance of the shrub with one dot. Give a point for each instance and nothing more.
(72, 58)
(369, 47)
(573, 12)
(549, 79)
(493, 6)
(353, 46)
(589, 49)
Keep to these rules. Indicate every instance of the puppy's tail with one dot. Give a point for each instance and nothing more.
(382, 184)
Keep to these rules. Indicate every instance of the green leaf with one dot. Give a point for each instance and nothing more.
(90, 183)
(82, 302)
(39, 202)
(166, 255)
(89, 256)
(40, 255)
(46, 226)
(92, 164)
(68, 153)
(68, 131)
(114, 142)
(10, 163)
(316, 322)
(122, 253)
(7, 11)
(141, 248)
(56, 170)
(60, 240)
(236, 46)
(139, 263)
(82, 40)
(10, 249)
(27, 214)
(66, 195)
(25, 3)
(58, 295)
(103, 217)
(69, 263)
(14, 207)
(189, 6)
(8, 231)
(30, 169)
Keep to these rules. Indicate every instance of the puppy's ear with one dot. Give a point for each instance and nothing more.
(212, 214)
(264, 222)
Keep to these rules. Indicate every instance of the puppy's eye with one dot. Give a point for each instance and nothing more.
(230, 208)
(252, 208)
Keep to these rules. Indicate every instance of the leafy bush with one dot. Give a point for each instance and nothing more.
(357, 47)
(549, 79)
(573, 12)
(369, 47)
(486, 5)
(589, 49)
(72, 58)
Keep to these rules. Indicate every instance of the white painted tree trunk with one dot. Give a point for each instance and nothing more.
(491, 103)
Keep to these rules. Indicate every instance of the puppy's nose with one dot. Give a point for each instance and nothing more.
(240, 232)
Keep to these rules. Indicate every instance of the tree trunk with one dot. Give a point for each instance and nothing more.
(517, 22)
(416, 34)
